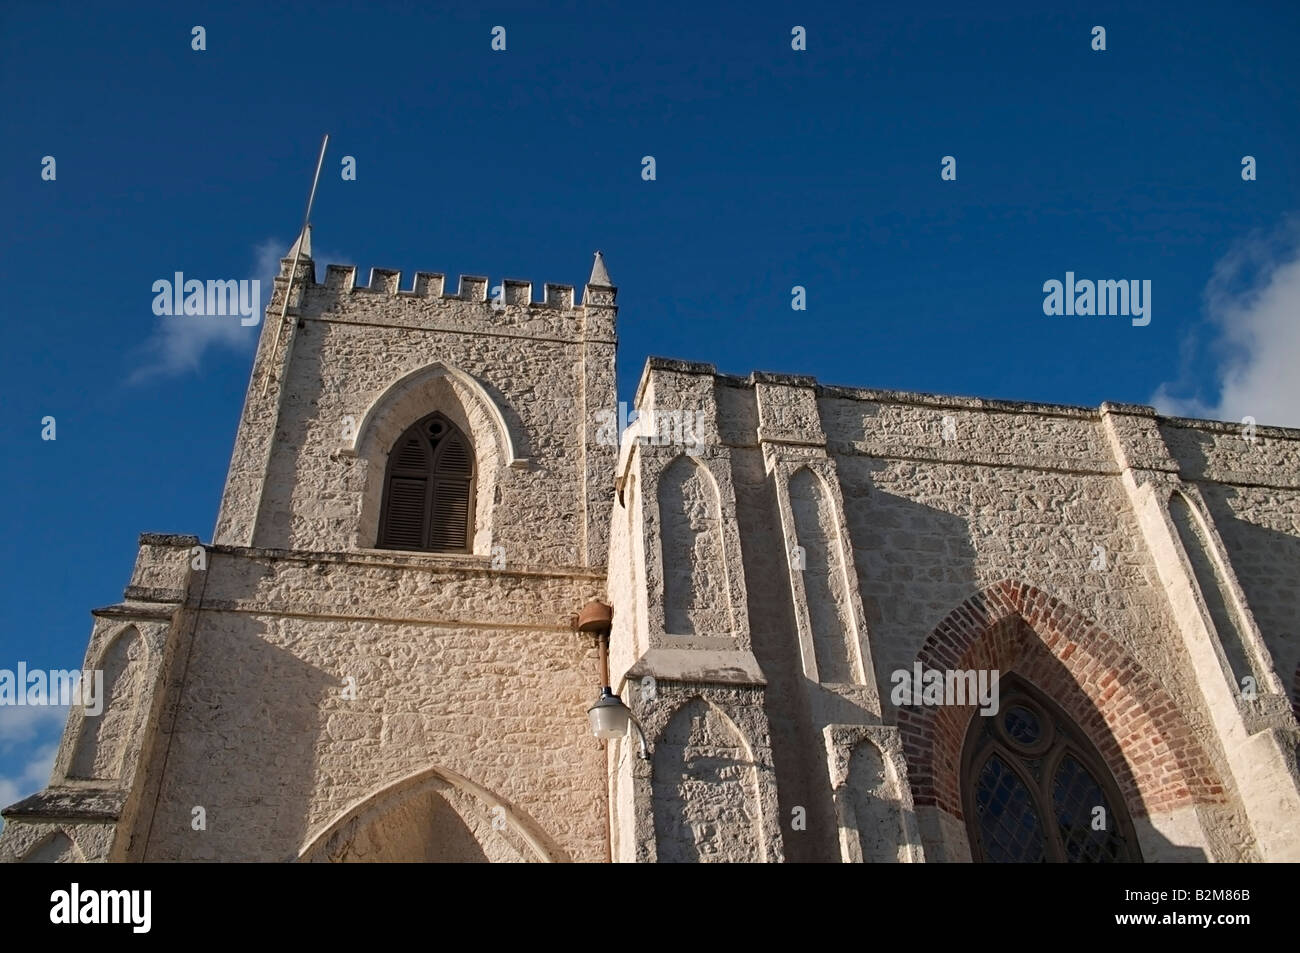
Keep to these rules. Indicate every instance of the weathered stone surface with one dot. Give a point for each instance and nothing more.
(776, 552)
(56, 804)
(944, 504)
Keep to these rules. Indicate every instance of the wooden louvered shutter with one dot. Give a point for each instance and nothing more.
(453, 481)
(429, 490)
(405, 520)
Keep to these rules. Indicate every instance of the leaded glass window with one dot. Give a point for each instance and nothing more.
(1036, 791)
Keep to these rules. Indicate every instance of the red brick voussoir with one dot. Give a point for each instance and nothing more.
(1132, 721)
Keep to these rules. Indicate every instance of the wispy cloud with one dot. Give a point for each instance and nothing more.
(29, 740)
(267, 256)
(21, 724)
(31, 777)
(179, 343)
(1252, 301)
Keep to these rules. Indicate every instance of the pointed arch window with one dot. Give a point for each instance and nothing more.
(429, 490)
(1035, 790)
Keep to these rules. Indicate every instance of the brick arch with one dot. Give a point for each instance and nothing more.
(1130, 719)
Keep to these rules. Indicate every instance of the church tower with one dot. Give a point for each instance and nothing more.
(333, 390)
(374, 659)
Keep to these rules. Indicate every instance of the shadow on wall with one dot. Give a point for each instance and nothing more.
(871, 809)
(705, 790)
(251, 722)
(908, 555)
(404, 823)
(1267, 565)
(800, 765)
(1157, 848)
(432, 816)
(915, 563)
(299, 409)
(422, 830)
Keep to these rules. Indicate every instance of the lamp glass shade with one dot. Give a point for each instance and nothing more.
(609, 717)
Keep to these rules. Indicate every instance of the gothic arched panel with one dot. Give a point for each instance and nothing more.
(695, 581)
(57, 848)
(105, 737)
(873, 797)
(432, 816)
(705, 790)
(824, 584)
(1214, 587)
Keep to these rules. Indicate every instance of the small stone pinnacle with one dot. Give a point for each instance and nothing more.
(305, 239)
(599, 274)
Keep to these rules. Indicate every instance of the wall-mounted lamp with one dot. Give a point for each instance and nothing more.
(609, 717)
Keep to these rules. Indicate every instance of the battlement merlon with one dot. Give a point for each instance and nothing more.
(599, 293)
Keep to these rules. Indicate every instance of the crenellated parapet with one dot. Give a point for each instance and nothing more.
(509, 293)
(431, 297)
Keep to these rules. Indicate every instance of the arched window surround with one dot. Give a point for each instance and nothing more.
(480, 411)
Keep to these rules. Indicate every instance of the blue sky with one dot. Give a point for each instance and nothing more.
(774, 168)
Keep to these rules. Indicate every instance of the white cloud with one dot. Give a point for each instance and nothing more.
(267, 257)
(33, 775)
(179, 342)
(1253, 303)
(21, 724)
(29, 734)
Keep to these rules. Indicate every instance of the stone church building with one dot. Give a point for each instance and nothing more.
(850, 625)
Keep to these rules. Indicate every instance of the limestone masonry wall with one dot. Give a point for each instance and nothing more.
(776, 552)
(958, 515)
(468, 671)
